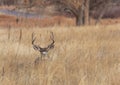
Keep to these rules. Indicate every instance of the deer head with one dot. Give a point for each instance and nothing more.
(43, 51)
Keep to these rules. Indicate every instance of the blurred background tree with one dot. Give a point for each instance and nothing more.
(80, 9)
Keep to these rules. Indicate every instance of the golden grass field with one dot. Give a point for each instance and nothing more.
(87, 55)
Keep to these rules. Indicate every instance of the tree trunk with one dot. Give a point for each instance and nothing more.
(79, 21)
(83, 14)
(80, 16)
(86, 12)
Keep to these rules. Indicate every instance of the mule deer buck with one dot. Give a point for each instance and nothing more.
(43, 51)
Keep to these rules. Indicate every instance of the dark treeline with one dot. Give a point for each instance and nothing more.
(16, 2)
(80, 9)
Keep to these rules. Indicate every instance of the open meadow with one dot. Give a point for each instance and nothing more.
(88, 55)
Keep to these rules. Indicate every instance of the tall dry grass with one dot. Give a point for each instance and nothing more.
(82, 56)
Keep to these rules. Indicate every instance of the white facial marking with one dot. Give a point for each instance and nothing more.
(44, 53)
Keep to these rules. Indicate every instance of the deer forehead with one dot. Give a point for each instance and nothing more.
(44, 44)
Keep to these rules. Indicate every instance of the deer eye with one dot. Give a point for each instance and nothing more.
(35, 47)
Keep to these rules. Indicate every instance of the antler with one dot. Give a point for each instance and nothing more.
(53, 41)
(33, 40)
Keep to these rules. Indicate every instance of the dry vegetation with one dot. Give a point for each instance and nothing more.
(82, 56)
(6, 21)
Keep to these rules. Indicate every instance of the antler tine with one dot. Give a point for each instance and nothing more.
(33, 38)
(52, 37)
